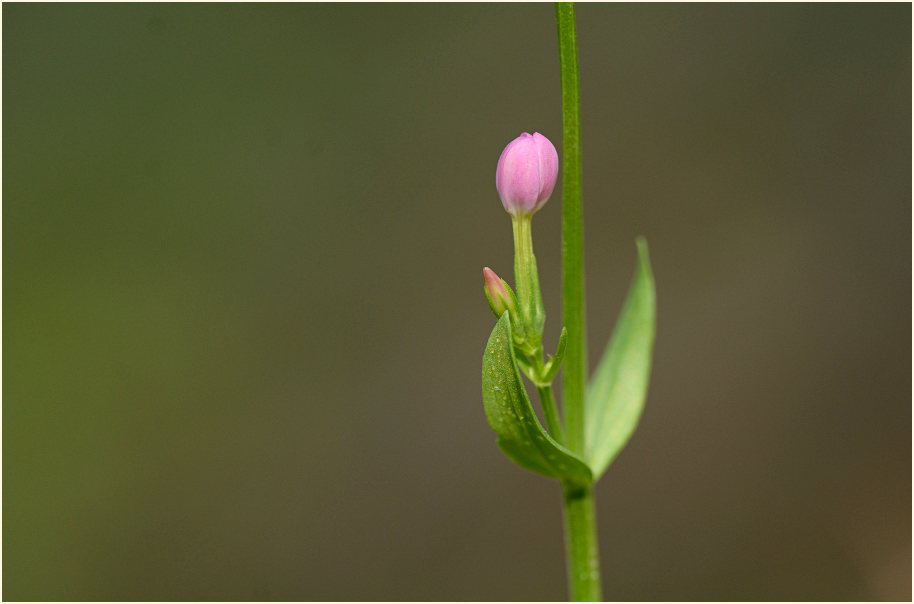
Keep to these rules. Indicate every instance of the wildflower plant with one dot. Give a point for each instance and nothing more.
(598, 417)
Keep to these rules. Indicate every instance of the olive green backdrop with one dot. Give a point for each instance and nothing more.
(244, 320)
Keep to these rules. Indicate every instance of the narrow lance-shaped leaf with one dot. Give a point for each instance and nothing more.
(554, 364)
(520, 435)
(616, 394)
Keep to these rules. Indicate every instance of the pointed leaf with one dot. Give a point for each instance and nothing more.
(615, 396)
(511, 416)
(554, 364)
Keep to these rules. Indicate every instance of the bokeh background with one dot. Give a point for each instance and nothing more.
(243, 310)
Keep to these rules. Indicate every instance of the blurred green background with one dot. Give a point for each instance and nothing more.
(244, 316)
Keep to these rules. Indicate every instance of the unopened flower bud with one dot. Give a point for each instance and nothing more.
(526, 173)
(498, 293)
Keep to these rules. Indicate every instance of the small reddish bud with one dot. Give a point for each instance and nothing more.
(498, 293)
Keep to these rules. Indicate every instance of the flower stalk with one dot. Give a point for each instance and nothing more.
(526, 278)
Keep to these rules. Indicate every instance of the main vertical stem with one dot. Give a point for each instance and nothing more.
(574, 378)
(583, 557)
(582, 547)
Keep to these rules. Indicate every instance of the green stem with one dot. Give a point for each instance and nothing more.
(530, 299)
(581, 544)
(526, 279)
(551, 413)
(574, 378)
(583, 558)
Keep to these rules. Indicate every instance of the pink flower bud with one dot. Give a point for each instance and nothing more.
(497, 293)
(526, 173)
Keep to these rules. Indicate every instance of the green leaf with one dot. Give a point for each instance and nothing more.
(520, 435)
(554, 364)
(615, 396)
